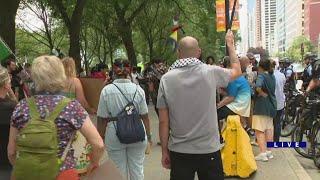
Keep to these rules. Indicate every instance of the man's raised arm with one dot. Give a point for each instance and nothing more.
(234, 61)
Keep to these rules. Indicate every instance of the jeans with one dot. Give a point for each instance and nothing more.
(128, 158)
(277, 126)
(207, 166)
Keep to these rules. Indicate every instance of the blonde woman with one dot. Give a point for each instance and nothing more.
(73, 87)
(49, 78)
(74, 90)
(7, 103)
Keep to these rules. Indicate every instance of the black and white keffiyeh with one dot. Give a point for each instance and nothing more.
(185, 62)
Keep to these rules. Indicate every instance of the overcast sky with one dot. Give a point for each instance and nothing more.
(27, 19)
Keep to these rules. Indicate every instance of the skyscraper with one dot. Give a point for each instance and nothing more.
(281, 26)
(268, 20)
(311, 20)
(293, 21)
(243, 15)
(252, 30)
(289, 24)
(258, 32)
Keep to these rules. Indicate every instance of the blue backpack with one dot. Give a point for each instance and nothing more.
(129, 128)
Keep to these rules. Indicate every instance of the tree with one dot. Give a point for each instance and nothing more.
(294, 51)
(264, 55)
(198, 18)
(154, 24)
(8, 11)
(46, 33)
(73, 24)
(28, 48)
(127, 11)
(99, 36)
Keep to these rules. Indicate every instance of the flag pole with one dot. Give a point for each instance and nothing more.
(226, 2)
(228, 19)
(232, 14)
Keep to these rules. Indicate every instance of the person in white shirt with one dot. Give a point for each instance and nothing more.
(280, 97)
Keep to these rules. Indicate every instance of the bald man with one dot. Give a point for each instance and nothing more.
(188, 126)
(244, 62)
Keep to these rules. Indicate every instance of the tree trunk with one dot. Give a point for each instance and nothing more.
(74, 48)
(150, 44)
(125, 32)
(74, 27)
(105, 53)
(110, 52)
(8, 11)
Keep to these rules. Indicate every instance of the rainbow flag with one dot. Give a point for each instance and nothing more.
(5, 51)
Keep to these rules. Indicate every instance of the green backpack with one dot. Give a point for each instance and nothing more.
(37, 145)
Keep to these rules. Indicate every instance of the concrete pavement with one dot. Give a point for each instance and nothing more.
(284, 165)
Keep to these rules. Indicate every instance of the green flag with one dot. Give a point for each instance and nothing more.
(5, 51)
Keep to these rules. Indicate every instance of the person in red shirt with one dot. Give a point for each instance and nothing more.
(101, 71)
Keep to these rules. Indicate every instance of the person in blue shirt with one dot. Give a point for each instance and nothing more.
(237, 100)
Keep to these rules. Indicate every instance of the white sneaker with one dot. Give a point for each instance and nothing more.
(269, 155)
(262, 157)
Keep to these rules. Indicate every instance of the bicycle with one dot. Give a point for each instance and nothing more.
(307, 129)
(289, 116)
(316, 158)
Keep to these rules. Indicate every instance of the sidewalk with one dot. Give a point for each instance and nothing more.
(283, 166)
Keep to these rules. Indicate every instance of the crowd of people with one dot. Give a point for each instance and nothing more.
(191, 98)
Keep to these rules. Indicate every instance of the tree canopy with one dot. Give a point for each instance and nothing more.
(94, 31)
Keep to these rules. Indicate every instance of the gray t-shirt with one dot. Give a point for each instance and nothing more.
(190, 95)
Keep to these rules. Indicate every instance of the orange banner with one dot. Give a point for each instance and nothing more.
(221, 15)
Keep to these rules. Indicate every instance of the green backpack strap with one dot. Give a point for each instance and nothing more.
(57, 110)
(33, 111)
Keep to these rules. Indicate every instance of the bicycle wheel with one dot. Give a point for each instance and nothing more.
(316, 138)
(288, 123)
(298, 135)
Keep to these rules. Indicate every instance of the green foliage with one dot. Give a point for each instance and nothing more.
(199, 19)
(294, 52)
(150, 23)
(28, 48)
